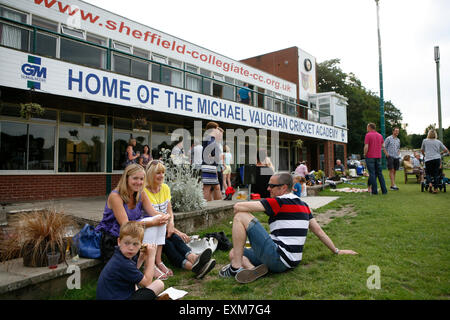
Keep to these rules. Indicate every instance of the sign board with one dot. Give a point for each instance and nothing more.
(307, 76)
(22, 70)
(84, 16)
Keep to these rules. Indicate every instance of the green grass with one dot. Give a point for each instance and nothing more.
(405, 233)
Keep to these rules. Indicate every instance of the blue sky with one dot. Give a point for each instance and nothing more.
(327, 29)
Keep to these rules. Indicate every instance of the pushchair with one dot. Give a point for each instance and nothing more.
(441, 184)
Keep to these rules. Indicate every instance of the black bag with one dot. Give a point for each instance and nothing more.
(223, 243)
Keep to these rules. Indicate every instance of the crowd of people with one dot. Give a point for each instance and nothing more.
(428, 170)
(138, 221)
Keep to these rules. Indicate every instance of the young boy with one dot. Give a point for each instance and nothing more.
(297, 189)
(121, 274)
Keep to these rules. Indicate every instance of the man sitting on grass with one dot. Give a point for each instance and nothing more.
(281, 250)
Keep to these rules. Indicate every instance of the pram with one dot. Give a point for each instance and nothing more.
(441, 184)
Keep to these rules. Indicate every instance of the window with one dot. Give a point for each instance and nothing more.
(121, 64)
(192, 82)
(269, 101)
(122, 47)
(121, 140)
(277, 103)
(82, 53)
(81, 34)
(94, 121)
(25, 146)
(139, 68)
(81, 149)
(160, 140)
(12, 36)
(70, 117)
(206, 82)
(45, 42)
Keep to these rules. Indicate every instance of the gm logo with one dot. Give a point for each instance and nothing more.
(34, 73)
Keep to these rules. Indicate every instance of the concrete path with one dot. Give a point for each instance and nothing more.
(92, 208)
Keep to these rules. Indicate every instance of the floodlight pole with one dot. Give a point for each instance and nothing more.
(382, 127)
(437, 58)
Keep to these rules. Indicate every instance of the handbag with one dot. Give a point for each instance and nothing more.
(88, 241)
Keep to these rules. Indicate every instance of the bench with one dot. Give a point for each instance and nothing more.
(416, 175)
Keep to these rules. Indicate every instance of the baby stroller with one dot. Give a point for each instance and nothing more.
(424, 186)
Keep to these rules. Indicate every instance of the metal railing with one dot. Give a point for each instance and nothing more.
(286, 107)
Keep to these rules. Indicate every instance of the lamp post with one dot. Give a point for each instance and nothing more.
(437, 58)
(382, 127)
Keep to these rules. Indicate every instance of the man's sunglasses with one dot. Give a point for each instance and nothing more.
(271, 185)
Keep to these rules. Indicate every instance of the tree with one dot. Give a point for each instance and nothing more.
(363, 105)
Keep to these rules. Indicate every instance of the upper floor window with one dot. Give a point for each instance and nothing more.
(81, 34)
(46, 43)
(13, 36)
(82, 53)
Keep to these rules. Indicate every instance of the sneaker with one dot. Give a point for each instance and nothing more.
(227, 272)
(207, 268)
(394, 188)
(250, 275)
(202, 259)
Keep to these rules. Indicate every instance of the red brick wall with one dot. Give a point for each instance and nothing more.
(20, 188)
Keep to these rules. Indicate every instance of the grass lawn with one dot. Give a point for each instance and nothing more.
(405, 233)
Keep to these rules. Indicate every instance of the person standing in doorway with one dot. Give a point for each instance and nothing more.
(392, 145)
(373, 144)
(244, 94)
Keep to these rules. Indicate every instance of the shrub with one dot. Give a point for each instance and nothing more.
(185, 187)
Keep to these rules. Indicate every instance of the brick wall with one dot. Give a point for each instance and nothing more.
(20, 188)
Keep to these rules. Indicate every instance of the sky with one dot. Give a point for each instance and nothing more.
(326, 29)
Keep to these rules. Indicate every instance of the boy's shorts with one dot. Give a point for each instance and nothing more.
(263, 250)
(143, 294)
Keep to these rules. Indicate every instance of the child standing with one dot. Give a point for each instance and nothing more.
(297, 189)
(121, 274)
(303, 183)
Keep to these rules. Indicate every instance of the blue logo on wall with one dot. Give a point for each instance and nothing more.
(34, 73)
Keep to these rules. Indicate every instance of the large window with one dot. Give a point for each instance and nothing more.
(160, 140)
(46, 43)
(26, 146)
(12, 36)
(82, 53)
(130, 67)
(81, 149)
(122, 134)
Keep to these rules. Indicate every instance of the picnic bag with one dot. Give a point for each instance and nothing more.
(88, 241)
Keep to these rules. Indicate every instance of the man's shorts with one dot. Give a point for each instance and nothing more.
(393, 163)
(263, 250)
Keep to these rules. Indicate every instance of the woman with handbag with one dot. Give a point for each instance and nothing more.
(124, 204)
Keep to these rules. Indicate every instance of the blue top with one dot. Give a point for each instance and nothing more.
(109, 222)
(297, 186)
(243, 93)
(118, 277)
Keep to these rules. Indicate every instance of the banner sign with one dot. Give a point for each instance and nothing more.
(25, 71)
(84, 16)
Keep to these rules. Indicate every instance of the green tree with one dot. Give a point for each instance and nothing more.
(363, 105)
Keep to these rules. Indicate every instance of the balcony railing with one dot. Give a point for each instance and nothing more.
(27, 38)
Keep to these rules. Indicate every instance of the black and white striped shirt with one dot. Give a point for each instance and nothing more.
(288, 222)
